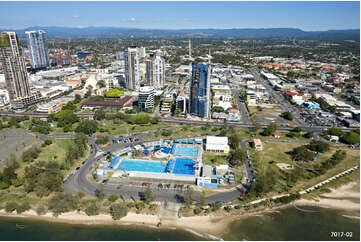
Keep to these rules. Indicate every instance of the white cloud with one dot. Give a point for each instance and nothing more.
(132, 20)
(75, 16)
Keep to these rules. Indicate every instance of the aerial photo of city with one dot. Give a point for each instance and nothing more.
(180, 121)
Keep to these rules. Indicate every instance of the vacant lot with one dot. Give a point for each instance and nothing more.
(214, 159)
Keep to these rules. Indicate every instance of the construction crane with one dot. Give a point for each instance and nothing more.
(68, 53)
(60, 54)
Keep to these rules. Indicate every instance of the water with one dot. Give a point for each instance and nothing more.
(186, 151)
(291, 224)
(42, 230)
(287, 224)
(142, 166)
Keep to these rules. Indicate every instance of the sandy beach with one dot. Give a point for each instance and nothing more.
(346, 197)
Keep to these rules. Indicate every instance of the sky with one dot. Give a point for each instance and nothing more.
(309, 16)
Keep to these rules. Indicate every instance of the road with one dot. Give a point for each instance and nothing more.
(192, 122)
(277, 96)
(242, 108)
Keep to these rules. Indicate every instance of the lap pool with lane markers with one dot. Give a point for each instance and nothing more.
(186, 151)
(142, 166)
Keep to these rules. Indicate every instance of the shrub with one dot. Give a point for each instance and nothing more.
(197, 211)
(11, 206)
(118, 211)
(25, 206)
(92, 210)
(113, 198)
(41, 210)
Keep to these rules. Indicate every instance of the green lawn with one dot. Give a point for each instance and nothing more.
(124, 128)
(214, 159)
(56, 151)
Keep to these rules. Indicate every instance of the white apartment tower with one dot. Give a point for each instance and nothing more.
(155, 73)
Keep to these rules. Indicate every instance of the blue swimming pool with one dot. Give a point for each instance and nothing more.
(186, 151)
(183, 166)
(142, 166)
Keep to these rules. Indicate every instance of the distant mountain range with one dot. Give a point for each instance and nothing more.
(119, 32)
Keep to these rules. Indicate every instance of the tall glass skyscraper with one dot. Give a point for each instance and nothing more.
(131, 62)
(39, 57)
(199, 98)
(16, 77)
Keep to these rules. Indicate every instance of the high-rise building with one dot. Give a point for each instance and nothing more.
(146, 98)
(131, 62)
(155, 71)
(39, 57)
(199, 98)
(16, 77)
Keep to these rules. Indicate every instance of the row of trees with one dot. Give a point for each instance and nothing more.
(351, 137)
(236, 156)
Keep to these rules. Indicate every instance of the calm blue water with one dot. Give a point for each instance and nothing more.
(42, 230)
(186, 151)
(183, 166)
(142, 166)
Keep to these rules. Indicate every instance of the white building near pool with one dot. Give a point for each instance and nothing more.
(217, 144)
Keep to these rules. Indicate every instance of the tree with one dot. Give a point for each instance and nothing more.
(287, 115)
(202, 199)
(351, 138)
(148, 195)
(87, 127)
(66, 117)
(237, 157)
(308, 135)
(166, 132)
(25, 206)
(62, 203)
(155, 120)
(11, 206)
(118, 211)
(302, 154)
(77, 99)
(99, 192)
(99, 114)
(142, 118)
(92, 210)
(189, 196)
(318, 146)
(217, 109)
(113, 198)
(296, 130)
(101, 83)
(234, 140)
(335, 132)
(271, 128)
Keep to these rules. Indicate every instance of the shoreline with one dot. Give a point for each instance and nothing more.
(210, 227)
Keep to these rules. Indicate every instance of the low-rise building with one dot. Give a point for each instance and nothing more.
(258, 144)
(217, 144)
(115, 103)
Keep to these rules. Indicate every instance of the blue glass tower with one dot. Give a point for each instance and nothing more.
(199, 98)
(39, 57)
